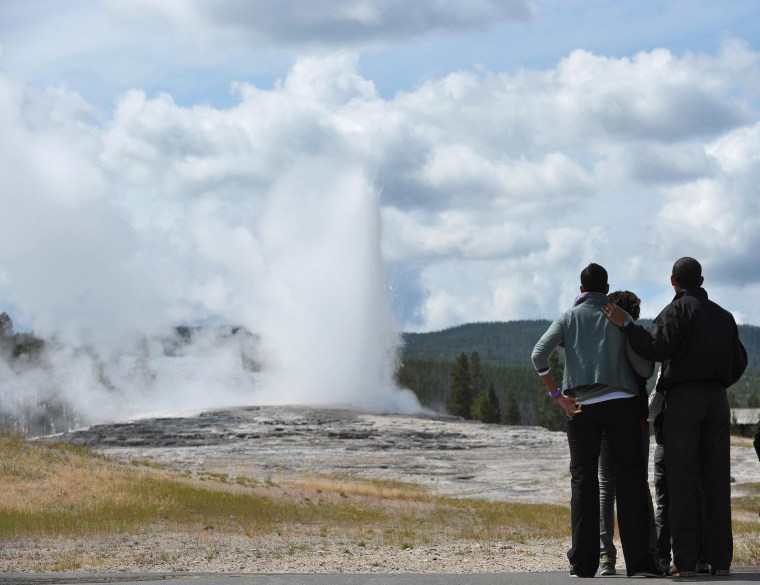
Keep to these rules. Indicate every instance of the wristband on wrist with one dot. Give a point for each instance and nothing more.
(556, 393)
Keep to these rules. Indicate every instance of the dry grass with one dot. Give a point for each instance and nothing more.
(64, 491)
(739, 441)
(60, 490)
(381, 489)
(746, 515)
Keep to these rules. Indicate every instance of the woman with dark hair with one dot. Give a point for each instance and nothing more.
(643, 369)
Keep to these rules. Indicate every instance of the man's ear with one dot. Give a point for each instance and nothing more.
(583, 290)
(606, 289)
(673, 281)
(701, 280)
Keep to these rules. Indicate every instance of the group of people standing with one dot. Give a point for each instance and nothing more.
(608, 358)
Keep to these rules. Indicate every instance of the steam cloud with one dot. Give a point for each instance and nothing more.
(119, 229)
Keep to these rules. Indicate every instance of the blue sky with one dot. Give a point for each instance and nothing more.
(611, 28)
(551, 30)
(149, 148)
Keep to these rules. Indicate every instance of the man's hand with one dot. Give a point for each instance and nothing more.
(614, 314)
(568, 404)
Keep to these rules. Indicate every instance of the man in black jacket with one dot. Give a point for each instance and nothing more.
(698, 344)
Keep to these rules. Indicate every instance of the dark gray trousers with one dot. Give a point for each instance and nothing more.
(662, 515)
(698, 455)
(619, 419)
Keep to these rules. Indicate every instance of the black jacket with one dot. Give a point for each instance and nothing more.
(757, 441)
(695, 339)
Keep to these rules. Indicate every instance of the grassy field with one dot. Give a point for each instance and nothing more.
(68, 490)
(64, 490)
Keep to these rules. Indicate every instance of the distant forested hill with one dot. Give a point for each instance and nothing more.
(505, 344)
(504, 350)
(510, 343)
(750, 336)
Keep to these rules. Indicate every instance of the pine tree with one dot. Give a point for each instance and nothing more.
(460, 395)
(752, 401)
(486, 408)
(512, 408)
(493, 402)
(477, 380)
(6, 333)
(6, 325)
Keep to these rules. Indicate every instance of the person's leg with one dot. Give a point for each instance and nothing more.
(703, 564)
(623, 428)
(662, 515)
(682, 437)
(584, 435)
(716, 482)
(647, 492)
(607, 550)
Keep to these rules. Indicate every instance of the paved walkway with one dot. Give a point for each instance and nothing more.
(550, 578)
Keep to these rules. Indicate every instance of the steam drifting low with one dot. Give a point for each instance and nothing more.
(269, 250)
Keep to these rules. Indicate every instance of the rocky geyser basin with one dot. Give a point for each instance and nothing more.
(447, 455)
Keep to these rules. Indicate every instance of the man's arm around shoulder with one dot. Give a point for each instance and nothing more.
(641, 339)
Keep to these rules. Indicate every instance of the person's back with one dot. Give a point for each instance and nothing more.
(698, 343)
(695, 338)
(594, 348)
(600, 396)
(595, 361)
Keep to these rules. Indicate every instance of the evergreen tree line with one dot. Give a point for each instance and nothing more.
(509, 395)
(486, 392)
(509, 343)
(39, 413)
(15, 345)
(504, 349)
(469, 397)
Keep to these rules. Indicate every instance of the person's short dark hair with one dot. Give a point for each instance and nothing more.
(627, 301)
(594, 279)
(687, 272)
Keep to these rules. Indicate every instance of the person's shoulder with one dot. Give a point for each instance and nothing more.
(559, 322)
(664, 311)
(567, 313)
(718, 309)
(575, 313)
(686, 302)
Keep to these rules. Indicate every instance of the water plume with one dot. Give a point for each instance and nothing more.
(327, 330)
(268, 256)
(314, 328)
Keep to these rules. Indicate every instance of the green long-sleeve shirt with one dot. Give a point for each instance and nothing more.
(595, 359)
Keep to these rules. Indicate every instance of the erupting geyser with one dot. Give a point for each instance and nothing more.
(327, 331)
(307, 281)
(261, 216)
